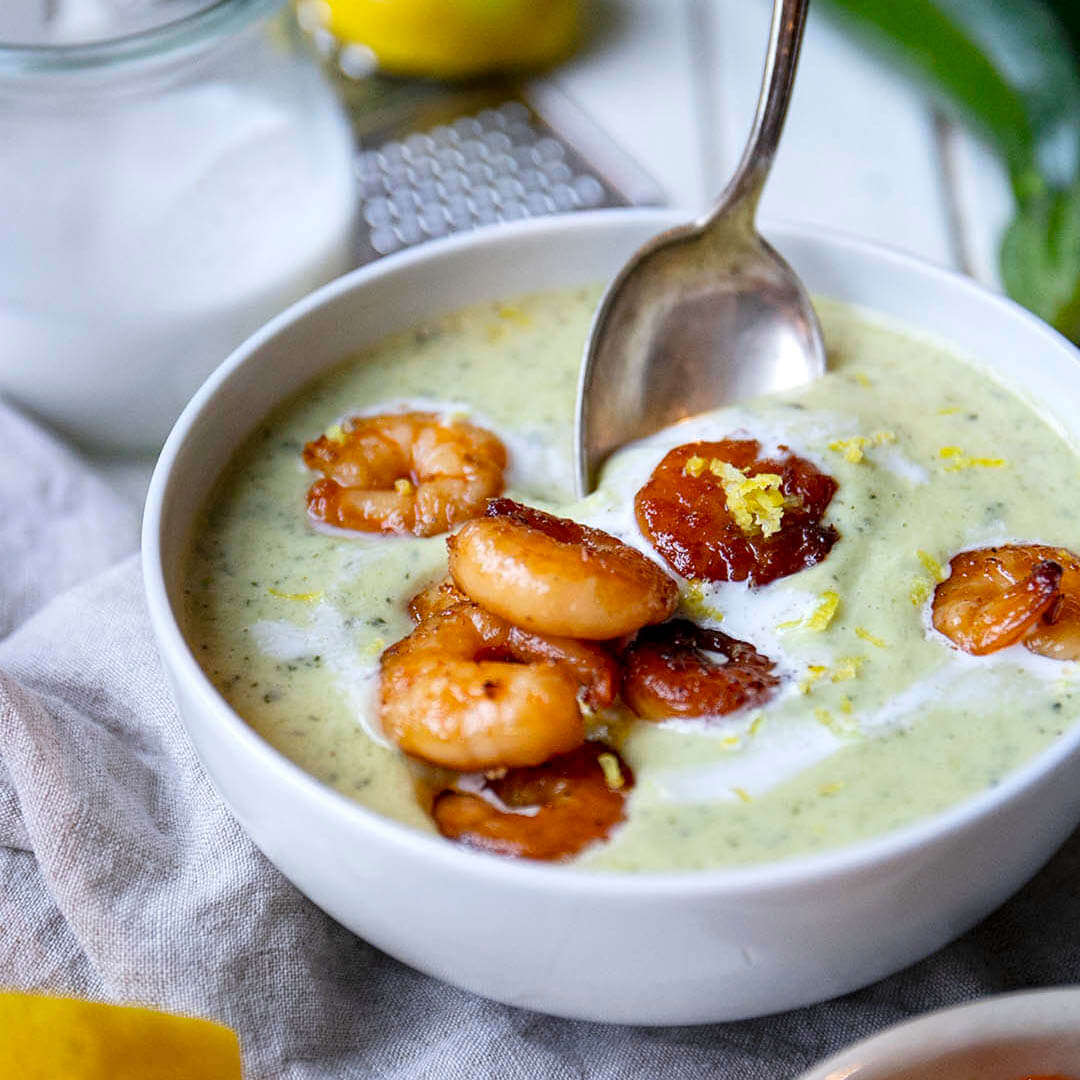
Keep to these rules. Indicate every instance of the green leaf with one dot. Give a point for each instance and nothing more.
(1028, 45)
(1009, 69)
(1068, 14)
(1040, 258)
(920, 38)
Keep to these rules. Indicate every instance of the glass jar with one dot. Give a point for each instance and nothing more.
(162, 194)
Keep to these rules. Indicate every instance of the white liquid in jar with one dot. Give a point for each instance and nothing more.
(145, 236)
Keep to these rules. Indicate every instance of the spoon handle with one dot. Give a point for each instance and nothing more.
(744, 189)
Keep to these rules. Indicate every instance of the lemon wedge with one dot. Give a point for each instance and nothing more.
(449, 39)
(44, 1038)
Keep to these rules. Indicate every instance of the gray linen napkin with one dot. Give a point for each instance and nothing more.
(123, 878)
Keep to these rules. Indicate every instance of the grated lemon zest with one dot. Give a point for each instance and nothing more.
(921, 588)
(933, 567)
(335, 433)
(951, 410)
(977, 463)
(743, 794)
(847, 669)
(613, 776)
(836, 726)
(693, 602)
(374, 647)
(831, 789)
(303, 597)
(403, 486)
(861, 631)
(920, 591)
(755, 502)
(854, 447)
(960, 460)
(819, 618)
(813, 673)
(755, 724)
(845, 706)
(694, 466)
(861, 379)
(730, 742)
(824, 612)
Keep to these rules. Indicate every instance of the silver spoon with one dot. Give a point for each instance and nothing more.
(706, 313)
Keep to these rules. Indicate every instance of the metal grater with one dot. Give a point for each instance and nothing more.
(439, 158)
(497, 165)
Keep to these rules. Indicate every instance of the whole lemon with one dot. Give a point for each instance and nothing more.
(450, 39)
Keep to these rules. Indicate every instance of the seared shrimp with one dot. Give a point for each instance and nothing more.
(594, 667)
(551, 811)
(466, 690)
(687, 512)
(997, 596)
(435, 598)
(1057, 633)
(403, 473)
(669, 673)
(445, 699)
(554, 576)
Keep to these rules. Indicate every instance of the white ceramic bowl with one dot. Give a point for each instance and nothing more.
(1008, 1037)
(662, 948)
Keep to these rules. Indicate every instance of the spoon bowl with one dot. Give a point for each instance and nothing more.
(707, 313)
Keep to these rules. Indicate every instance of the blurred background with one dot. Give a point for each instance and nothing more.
(173, 172)
(947, 128)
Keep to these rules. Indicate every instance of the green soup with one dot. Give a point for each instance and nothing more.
(879, 721)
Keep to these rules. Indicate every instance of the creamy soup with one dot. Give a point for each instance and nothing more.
(879, 720)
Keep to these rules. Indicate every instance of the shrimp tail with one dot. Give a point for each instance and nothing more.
(1006, 617)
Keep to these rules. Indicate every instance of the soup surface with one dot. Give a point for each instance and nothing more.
(879, 719)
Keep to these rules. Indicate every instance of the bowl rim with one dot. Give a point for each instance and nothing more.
(970, 1025)
(813, 867)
